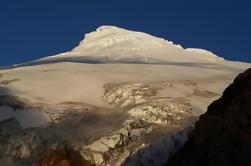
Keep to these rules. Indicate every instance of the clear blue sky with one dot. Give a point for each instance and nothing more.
(30, 29)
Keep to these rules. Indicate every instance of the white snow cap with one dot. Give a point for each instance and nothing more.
(107, 36)
(114, 44)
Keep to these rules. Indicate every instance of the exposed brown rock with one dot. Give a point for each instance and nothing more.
(222, 136)
(64, 157)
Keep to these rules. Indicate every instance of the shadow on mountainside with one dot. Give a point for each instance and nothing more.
(139, 60)
(158, 153)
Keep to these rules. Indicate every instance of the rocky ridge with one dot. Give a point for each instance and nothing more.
(222, 136)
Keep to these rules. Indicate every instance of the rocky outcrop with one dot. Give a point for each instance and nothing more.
(222, 136)
(62, 156)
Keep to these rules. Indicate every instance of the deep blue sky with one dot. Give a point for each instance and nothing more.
(30, 29)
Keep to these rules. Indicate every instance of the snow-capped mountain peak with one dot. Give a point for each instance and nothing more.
(110, 44)
(114, 38)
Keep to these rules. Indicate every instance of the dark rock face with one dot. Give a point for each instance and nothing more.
(19, 146)
(222, 136)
